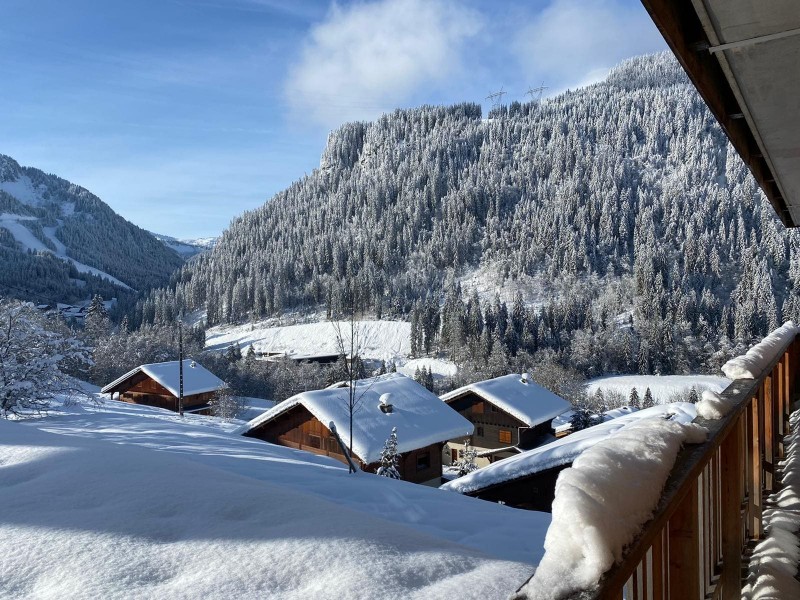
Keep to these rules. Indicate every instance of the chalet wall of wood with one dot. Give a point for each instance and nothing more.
(141, 389)
(494, 429)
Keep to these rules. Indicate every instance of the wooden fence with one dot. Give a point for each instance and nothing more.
(710, 510)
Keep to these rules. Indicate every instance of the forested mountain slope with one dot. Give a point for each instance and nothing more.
(60, 242)
(625, 192)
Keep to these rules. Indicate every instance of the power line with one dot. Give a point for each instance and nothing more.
(496, 98)
(536, 93)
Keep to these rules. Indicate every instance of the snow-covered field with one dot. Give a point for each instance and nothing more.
(121, 501)
(377, 339)
(438, 366)
(665, 388)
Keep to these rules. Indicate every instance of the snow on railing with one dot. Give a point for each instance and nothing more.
(704, 516)
(760, 356)
(602, 501)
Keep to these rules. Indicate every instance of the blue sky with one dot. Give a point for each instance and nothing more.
(181, 114)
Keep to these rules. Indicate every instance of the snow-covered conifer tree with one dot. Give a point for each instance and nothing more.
(633, 399)
(693, 396)
(647, 401)
(389, 457)
(466, 463)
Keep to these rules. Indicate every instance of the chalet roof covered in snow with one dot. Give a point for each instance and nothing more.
(564, 450)
(525, 400)
(420, 417)
(196, 378)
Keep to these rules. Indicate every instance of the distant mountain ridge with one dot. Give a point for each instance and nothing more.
(60, 242)
(187, 248)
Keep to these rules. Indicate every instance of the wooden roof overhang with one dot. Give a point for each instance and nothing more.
(744, 58)
(127, 383)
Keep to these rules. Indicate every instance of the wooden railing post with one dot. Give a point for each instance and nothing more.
(684, 548)
(732, 489)
(768, 420)
(754, 508)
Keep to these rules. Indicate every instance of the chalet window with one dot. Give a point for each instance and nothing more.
(505, 436)
(333, 445)
(315, 441)
(423, 461)
(479, 432)
(493, 408)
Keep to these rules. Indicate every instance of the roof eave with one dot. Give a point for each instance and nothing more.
(683, 31)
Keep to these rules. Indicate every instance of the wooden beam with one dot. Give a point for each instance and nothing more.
(681, 28)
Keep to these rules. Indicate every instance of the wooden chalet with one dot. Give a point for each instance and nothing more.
(158, 384)
(389, 401)
(510, 414)
(528, 480)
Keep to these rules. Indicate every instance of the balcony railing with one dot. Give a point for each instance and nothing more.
(711, 507)
(710, 511)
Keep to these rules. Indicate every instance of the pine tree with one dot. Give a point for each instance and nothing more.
(693, 396)
(647, 401)
(466, 462)
(389, 457)
(633, 399)
(97, 325)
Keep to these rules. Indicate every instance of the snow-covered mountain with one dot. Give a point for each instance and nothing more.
(187, 248)
(60, 242)
(620, 198)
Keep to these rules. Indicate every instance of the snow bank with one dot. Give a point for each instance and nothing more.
(120, 500)
(564, 450)
(380, 340)
(759, 357)
(603, 500)
(774, 564)
(86, 519)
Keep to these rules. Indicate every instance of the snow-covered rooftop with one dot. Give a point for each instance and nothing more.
(563, 451)
(420, 417)
(196, 378)
(527, 401)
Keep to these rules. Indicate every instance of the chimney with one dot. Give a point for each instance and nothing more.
(386, 403)
(524, 378)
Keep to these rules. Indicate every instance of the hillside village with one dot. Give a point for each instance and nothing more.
(539, 349)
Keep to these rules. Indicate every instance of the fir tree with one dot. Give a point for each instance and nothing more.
(647, 401)
(693, 396)
(466, 462)
(633, 399)
(389, 457)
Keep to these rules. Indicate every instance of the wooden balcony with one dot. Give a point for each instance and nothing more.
(710, 513)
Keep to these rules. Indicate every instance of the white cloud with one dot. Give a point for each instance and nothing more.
(575, 42)
(369, 58)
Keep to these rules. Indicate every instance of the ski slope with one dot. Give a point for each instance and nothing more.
(28, 241)
(120, 501)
